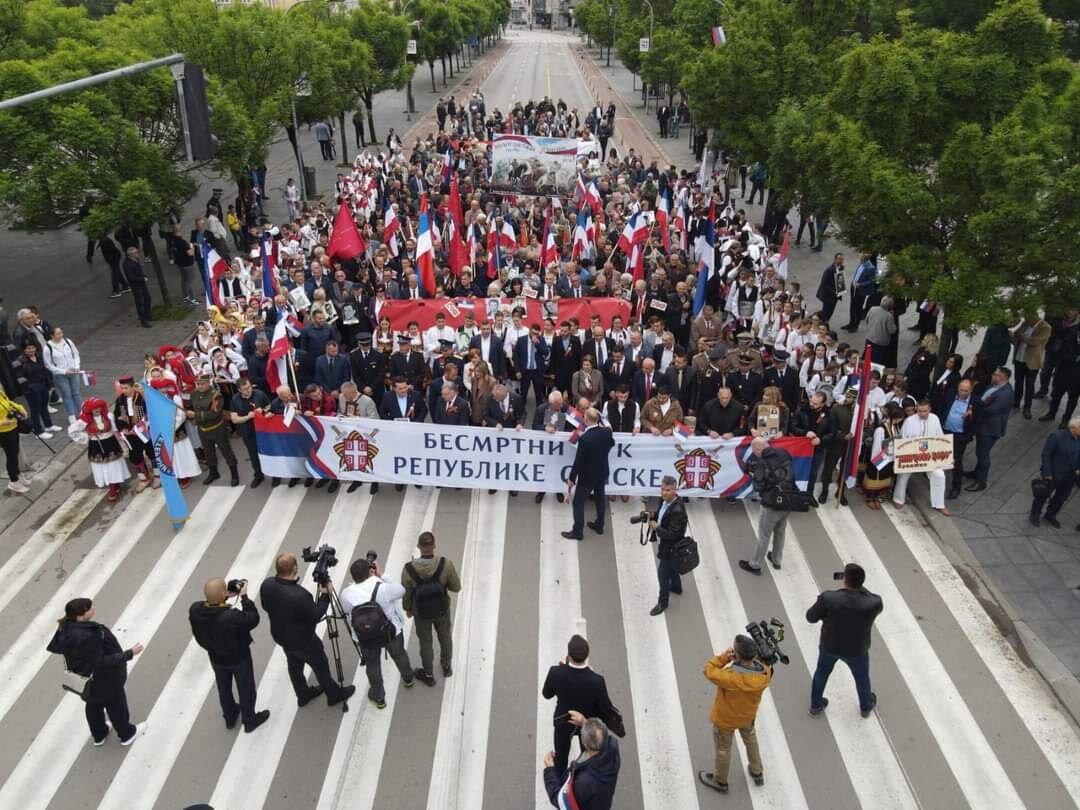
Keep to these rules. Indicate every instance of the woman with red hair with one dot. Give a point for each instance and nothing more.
(95, 427)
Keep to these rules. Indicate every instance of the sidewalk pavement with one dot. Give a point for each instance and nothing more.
(1033, 573)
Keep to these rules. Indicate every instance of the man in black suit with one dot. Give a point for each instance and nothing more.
(681, 380)
(449, 375)
(450, 409)
(783, 376)
(368, 368)
(646, 382)
(407, 363)
(831, 287)
(598, 347)
(565, 356)
(576, 688)
(989, 422)
(589, 474)
(403, 403)
(617, 371)
(668, 526)
(531, 353)
(551, 418)
(504, 409)
(745, 384)
(491, 349)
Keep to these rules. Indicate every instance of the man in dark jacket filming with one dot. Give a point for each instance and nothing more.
(225, 633)
(591, 778)
(846, 617)
(668, 527)
(771, 469)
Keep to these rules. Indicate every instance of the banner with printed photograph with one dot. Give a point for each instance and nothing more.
(528, 165)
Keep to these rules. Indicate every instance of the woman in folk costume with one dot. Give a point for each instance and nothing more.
(96, 427)
(129, 415)
(185, 384)
(185, 463)
(878, 481)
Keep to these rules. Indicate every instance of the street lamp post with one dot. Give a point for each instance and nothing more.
(611, 16)
(651, 20)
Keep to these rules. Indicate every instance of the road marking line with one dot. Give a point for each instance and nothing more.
(246, 777)
(457, 770)
(966, 749)
(559, 609)
(21, 662)
(42, 769)
(876, 772)
(667, 778)
(725, 616)
(1036, 706)
(352, 775)
(37, 549)
(146, 768)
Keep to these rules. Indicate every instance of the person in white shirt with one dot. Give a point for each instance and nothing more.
(370, 584)
(440, 331)
(919, 424)
(62, 359)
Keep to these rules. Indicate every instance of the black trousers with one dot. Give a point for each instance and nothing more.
(253, 451)
(313, 655)
(141, 293)
(213, 441)
(9, 441)
(960, 441)
(828, 307)
(373, 665)
(983, 445)
(580, 494)
(243, 674)
(116, 708)
(1057, 497)
(1024, 384)
(805, 221)
(119, 283)
(564, 733)
(536, 380)
(856, 309)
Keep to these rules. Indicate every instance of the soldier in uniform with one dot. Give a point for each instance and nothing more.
(710, 379)
(207, 411)
(745, 345)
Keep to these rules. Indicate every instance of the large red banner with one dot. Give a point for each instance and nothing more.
(424, 310)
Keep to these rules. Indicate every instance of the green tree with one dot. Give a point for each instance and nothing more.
(440, 33)
(388, 35)
(663, 65)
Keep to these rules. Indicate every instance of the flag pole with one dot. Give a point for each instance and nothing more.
(292, 371)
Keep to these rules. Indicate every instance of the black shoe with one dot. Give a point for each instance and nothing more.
(823, 498)
(308, 482)
(274, 482)
(408, 683)
(596, 527)
(978, 486)
(424, 677)
(399, 487)
(374, 487)
(1046, 417)
(417, 486)
(572, 535)
(873, 705)
(843, 500)
(312, 693)
(676, 592)
(711, 780)
(447, 671)
(491, 492)
(513, 493)
(1033, 518)
(1053, 521)
(746, 566)
(344, 694)
(230, 722)
(969, 474)
(257, 720)
(1027, 413)
(293, 482)
(234, 477)
(258, 479)
(772, 562)
(539, 497)
(759, 778)
(354, 486)
(335, 485)
(814, 712)
(657, 610)
(560, 498)
(379, 704)
(1040, 395)
(952, 494)
(211, 477)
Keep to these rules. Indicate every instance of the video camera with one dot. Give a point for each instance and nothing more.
(768, 640)
(641, 517)
(325, 558)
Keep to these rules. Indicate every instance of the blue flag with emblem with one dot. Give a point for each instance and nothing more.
(161, 414)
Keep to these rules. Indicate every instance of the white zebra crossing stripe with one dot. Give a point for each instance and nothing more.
(966, 749)
(32, 554)
(560, 611)
(146, 767)
(21, 662)
(55, 749)
(352, 776)
(457, 772)
(667, 778)
(1036, 707)
(249, 770)
(725, 617)
(876, 774)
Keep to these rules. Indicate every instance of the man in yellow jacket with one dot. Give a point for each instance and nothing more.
(740, 678)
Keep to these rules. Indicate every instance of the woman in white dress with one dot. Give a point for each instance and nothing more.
(96, 429)
(185, 463)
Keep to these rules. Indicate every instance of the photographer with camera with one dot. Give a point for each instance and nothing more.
(667, 526)
(771, 470)
(741, 677)
(373, 605)
(847, 616)
(428, 581)
(225, 633)
(294, 615)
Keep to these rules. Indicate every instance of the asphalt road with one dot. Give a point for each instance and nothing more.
(962, 720)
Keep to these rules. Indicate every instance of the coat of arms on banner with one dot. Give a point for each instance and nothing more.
(356, 452)
(697, 469)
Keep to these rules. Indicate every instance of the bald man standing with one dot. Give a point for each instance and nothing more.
(224, 631)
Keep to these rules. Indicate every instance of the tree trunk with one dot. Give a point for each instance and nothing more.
(344, 139)
(442, 59)
(150, 249)
(431, 68)
(370, 117)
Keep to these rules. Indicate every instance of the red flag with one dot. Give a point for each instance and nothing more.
(458, 253)
(345, 241)
(455, 203)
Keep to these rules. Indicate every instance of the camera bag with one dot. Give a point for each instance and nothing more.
(370, 623)
(684, 556)
(786, 500)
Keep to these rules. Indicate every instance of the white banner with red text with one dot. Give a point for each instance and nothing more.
(355, 449)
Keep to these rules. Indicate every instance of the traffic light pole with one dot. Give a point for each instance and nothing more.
(91, 81)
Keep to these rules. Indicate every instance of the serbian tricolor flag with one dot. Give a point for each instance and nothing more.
(782, 266)
(705, 247)
(718, 36)
(425, 252)
(549, 253)
(575, 418)
(268, 259)
(277, 369)
(580, 192)
(507, 237)
(345, 241)
(592, 194)
(682, 431)
(581, 236)
(215, 269)
(635, 233)
(391, 226)
(883, 459)
(663, 213)
(858, 419)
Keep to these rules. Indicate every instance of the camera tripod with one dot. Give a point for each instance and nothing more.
(334, 615)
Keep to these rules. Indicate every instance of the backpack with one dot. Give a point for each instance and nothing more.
(370, 623)
(430, 599)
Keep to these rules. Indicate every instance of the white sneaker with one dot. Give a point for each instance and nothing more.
(71, 420)
(140, 729)
(53, 410)
(19, 487)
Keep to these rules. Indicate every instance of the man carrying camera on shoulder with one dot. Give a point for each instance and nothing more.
(668, 527)
(741, 677)
(373, 605)
(771, 470)
(225, 633)
(294, 614)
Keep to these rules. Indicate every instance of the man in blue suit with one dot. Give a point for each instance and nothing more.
(1060, 467)
(331, 370)
(590, 473)
(530, 362)
(989, 422)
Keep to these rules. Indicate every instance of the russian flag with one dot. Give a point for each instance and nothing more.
(705, 247)
(277, 369)
(663, 213)
(718, 36)
(425, 252)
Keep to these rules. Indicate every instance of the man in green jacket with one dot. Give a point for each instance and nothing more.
(208, 413)
(429, 581)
